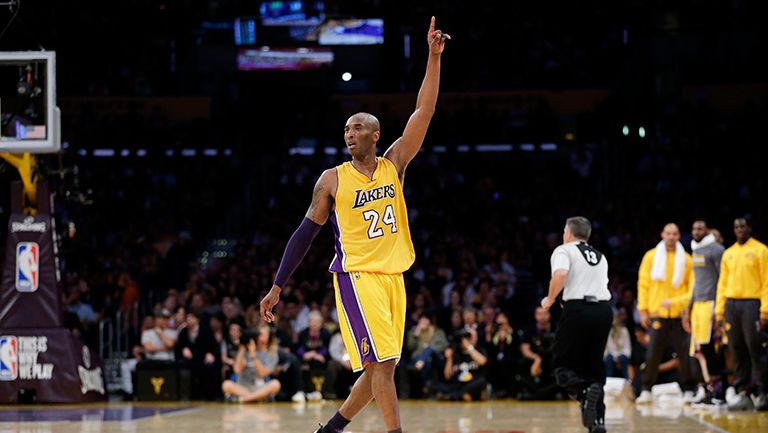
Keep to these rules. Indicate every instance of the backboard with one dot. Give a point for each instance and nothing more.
(30, 119)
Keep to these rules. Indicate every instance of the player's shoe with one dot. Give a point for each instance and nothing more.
(645, 397)
(598, 428)
(761, 403)
(593, 395)
(742, 402)
(688, 397)
(299, 397)
(319, 429)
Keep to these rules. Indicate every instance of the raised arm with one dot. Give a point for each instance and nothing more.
(317, 214)
(406, 147)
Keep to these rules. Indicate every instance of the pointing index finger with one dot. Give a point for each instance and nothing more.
(432, 24)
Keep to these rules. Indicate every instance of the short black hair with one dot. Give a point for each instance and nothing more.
(747, 219)
(426, 315)
(704, 220)
(580, 227)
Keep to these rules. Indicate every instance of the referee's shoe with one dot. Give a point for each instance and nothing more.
(591, 413)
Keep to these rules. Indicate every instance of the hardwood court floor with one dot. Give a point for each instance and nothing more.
(418, 417)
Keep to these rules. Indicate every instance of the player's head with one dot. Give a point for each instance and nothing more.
(699, 230)
(577, 228)
(670, 235)
(718, 236)
(742, 229)
(361, 133)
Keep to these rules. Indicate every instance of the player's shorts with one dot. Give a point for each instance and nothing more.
(371, 309)
(701, 324)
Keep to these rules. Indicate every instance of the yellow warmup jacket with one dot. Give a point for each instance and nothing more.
(743, 275)
(650, 293)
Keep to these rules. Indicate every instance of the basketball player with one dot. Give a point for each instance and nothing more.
(663, 293)
(581, 272)
(706, 255)
(742, 302)
(364, 200)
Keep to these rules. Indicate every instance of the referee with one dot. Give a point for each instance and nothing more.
(582, 272)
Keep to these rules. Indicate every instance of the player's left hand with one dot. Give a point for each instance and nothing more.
(686, 317)
(546, 303)
(436, 39)
(268, 303)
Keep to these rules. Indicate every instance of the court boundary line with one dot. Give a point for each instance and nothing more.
(706, 424)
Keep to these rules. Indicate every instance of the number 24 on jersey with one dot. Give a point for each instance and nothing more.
(374, 230)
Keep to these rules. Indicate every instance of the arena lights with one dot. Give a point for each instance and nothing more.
(104, 152)
(641, 132)
(346, 76)
(125, 153)
(464, 148)
(625, 130)
(493, 148)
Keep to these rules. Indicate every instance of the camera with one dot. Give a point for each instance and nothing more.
(461, 333)
(456, 339)
(248, 335)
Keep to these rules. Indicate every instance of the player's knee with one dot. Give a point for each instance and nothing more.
(388, 367)
(275, 384)
(382, 368)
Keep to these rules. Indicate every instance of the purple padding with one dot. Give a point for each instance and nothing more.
(126, 413)
(296, 249)
(355, 318)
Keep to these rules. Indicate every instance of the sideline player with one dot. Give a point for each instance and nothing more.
(364, 200)
(663, 293)
(706, 253)
(581, 272)
(741, 307)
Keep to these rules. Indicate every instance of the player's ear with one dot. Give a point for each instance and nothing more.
(376, 135)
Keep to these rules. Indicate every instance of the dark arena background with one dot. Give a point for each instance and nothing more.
(159, 155)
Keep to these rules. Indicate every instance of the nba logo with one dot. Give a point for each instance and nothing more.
(9, 359)
(27, 260)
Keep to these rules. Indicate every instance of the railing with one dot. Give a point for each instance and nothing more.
(115, 343)
(115, 332)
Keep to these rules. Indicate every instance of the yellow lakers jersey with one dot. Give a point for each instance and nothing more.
(370, 221)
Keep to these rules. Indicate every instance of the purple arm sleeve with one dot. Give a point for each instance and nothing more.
(296, 249)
